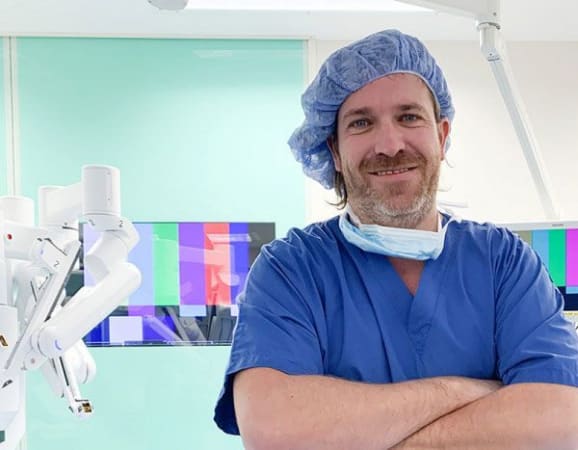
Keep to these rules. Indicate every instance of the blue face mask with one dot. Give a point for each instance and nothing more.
(399, 242)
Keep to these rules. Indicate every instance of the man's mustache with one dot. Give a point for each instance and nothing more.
(381, 162)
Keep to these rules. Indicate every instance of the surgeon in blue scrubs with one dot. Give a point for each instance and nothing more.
(395, 325)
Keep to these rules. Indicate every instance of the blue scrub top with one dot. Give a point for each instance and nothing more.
(486, 308)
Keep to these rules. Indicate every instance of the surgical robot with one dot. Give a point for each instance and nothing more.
(40, 326)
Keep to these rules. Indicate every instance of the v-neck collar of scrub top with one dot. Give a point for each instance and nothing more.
(414, 313)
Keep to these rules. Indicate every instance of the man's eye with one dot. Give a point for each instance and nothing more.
(359, 123)
(410, 118)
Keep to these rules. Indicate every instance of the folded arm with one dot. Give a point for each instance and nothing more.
(528, 416)
(280, 411)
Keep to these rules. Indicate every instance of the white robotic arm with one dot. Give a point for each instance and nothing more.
(115, 279)
(36, 262)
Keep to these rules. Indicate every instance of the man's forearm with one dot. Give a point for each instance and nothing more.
(275, 410)
(528, 416)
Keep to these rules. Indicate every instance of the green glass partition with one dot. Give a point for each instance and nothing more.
(198, 129)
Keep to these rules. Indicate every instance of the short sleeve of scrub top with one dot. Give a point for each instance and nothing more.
(534, 341)
(276, 326)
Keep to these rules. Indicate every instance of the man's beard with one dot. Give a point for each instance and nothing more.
(388, 206)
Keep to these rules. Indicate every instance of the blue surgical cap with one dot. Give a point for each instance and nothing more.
(348, 70)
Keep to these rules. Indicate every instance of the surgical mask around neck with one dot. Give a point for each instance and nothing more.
(397, 242)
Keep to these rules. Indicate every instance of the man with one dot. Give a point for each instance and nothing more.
(394, 325)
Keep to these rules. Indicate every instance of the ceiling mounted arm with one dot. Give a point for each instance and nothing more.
(483, 11)
(486, 13)
(494, 51)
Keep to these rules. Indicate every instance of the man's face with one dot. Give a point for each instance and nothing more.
(389, 148)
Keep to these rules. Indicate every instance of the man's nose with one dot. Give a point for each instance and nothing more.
(388, 139)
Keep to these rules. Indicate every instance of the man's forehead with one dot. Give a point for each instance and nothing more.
(401, 90)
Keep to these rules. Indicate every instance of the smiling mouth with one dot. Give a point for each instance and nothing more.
(391, 171)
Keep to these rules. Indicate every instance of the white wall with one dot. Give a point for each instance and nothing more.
(489, 169)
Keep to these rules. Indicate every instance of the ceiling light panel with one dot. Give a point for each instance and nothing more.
(304, 5)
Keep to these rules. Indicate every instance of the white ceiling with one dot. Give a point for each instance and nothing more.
(522, 20)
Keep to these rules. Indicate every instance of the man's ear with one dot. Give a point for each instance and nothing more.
(332, 144)
(443, 134)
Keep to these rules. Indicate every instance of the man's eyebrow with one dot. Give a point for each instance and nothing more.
(365, 111)
(356, 112)
(412, 107)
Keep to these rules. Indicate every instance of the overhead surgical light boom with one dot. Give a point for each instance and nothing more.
(487, 16)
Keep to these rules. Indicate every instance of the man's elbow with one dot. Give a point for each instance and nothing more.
(557, 409)
(567, 439)
(571, 419)
(265, 436)
(264, 420)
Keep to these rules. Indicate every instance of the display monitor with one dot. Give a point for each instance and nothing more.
(191, 272)
(556, 243)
